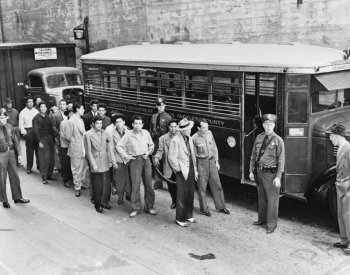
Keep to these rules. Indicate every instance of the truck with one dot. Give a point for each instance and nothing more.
(45, 69)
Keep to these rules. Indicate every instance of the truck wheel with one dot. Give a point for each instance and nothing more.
(332, 201)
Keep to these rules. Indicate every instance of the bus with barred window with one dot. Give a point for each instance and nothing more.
(231, 86)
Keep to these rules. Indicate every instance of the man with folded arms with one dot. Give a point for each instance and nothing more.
(136, 146)
(8, 145)
(337, 133)
(208, 166)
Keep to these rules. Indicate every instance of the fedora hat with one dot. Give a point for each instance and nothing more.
(336, 129)
(185, 124)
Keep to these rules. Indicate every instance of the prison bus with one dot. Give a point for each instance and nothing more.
(231, 86)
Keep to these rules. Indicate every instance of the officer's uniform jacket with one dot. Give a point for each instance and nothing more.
(163, 152)
(75, 132)
(274, 154)
(13, 141)
(98, 149)
(178, 155)
(163, 124)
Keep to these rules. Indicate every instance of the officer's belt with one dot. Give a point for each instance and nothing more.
(206, 158)
(271, 169)
(5, 149)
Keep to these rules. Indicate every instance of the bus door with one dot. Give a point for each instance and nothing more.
(260, 92)
(296, 135)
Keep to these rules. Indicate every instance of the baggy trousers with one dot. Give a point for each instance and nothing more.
(207, 172)
(122, 179)
(65, 165)
(172, 188)
(185, 195)
(31, 147)
(101, 183)
(46, 156)
(343, 203)
(141, 169)
(268, 199)
(8, 165)
(78, 166)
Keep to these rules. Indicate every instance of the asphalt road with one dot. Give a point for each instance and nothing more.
(57, 233)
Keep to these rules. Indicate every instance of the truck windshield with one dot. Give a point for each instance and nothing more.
(62, 80)
(326, 100)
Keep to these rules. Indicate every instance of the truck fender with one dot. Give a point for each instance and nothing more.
(327, 176)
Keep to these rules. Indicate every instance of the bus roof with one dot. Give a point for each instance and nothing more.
(294, 58)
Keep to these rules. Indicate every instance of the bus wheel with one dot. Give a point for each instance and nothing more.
(332, 201)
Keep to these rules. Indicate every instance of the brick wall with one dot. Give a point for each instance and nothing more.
(120, 22)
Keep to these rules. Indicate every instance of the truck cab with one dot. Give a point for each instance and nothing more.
(55, 83)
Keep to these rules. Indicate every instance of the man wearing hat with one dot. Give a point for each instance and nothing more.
(182, 160)
(159, 127)
(13, 116)
(267, 162)
(26, 127)
(337, 133)
(8, 144)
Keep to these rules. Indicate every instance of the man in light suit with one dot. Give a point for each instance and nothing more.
(337, 133)
(182, 160)
(56, 119)
(162, 155)
(75, 133)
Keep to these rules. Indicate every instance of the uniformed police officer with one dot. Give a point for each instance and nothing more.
(9, 143)
(267, 162)
(159, 127)
(337, 133)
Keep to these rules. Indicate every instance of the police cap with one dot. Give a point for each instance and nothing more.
(160, 101)
(269, 118)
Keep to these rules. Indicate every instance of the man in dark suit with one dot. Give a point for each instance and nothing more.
(56, 119)
(106, 121)
(87, 118)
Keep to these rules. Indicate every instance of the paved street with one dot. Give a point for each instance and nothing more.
(60, 234)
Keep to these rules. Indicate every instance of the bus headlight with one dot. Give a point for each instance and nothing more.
(231, 141)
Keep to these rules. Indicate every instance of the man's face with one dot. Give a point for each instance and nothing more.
(334, 139)
(98, 125)
(81, 110)
(94, 107)
(137, 124)
(161, 107)
(119, 123)
(70, 106)
(37, 101)
(173, 128)
(268, 127)
(204, 127)
(9, 105)
(187, 132)
(63, 106)
(3, 120)
(30, 103)
(43, 108)
(101, 111)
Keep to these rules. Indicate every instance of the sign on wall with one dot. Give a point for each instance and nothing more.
(45, 53)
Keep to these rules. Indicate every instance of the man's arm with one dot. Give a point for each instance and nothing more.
(21, 123)
(172, 155)
(160, 151)
(281, 158)
(55, 125)
(36, 126)
(89, 156)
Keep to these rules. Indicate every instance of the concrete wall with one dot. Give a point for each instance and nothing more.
(120, 22)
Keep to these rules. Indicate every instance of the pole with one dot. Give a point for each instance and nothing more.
(86, 28)
(2, 26)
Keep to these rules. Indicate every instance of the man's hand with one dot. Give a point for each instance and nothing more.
(156, 161)
(251, 176)
(196, 175)
(217, 165)
(41, 145)
(19, 159)
(128, 157)
(145, 156)
(24, 132)
(94, 167)
(277, 182)
(110, 164)
(115, 165)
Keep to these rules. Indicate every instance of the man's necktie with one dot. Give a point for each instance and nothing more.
(262, 148)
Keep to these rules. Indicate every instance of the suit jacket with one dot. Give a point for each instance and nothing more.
(178, 155)
(99, 152)
(56, 120)
(75, 132)
(163, 152)
(64, 142)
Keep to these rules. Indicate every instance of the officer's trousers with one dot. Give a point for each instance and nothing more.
(268, 199)
(8, 165)
(343, 202)
(207, 172)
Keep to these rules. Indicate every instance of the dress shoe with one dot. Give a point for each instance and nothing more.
(29, 172)
(151, 211)
(258, 223)
(182, 224)
(67, 184)
(99, 209)
(106, 206)
(120, 201)
(270, 230)
(346, 250)
(340, 245)
(6, 204)
(191, 220)
(77, 193)
(206, 213)
(173, 205)
(225, 211)
(133, 214)
(45, 181)
(50, 178)
(21, 201)
(114, 192)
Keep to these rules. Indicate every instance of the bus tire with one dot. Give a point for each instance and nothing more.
(332, 202)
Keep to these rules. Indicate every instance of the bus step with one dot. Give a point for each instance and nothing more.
(297, 196)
